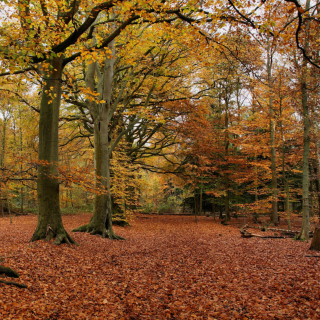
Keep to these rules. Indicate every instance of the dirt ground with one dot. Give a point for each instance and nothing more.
(168, 267)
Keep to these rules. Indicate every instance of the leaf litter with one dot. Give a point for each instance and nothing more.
(168, 267)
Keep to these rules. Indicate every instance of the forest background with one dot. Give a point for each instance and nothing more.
(163, 107)
(120, 109)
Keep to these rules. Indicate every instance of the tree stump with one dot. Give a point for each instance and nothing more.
(315, 244)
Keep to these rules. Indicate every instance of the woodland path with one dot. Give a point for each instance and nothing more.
(168, 268)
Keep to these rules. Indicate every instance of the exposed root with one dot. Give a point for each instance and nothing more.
(81, 229)
(302, 236)
(20, 285)
(60, 237)
(63, 238)
(12, 274)
(113, 236)
(102, 232)
(8, 272)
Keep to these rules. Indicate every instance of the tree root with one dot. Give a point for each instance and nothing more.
(8, 272)
(12, 274)
(60, 237)
(64, 238)
(81, 229)
(102, 232)
(20, 285)
(113, 236)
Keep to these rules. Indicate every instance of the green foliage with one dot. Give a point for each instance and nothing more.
(148, 208)
(69, 210)
(171, 204)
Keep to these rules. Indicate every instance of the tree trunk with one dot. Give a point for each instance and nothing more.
(304, 233)
(274, 213)
(284, 176)
(21, 167)
(49, 217)
(227, 200)
(200, 200)
(3, 195)
(315, 244)
(101, 222)
(317, 168)
(226, 175)
(3, 144)
(195, 207)
(317, 185)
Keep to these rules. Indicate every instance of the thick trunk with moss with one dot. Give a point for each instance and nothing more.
(101, 222)
(49, 217)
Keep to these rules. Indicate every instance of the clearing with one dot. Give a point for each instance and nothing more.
(169, 267)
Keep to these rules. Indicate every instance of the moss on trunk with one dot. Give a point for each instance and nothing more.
(49, 217)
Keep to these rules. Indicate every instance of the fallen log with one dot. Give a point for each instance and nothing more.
(285, 232)
(250, 235)
(247, 234)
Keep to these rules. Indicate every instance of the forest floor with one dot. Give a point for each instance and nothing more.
(168, 267)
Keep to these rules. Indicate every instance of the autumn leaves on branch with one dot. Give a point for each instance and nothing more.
(209, 93)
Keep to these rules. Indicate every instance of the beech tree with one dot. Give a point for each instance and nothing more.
(135, 97)
(39, 39)
(45, 40)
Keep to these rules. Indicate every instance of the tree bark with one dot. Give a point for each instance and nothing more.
(304, 233)
(284, 176)
(317, 186)
(226, 174)
(200, 199)
(101, 222)
(49, 216)
(274, 213)
(317, 167)
(315, 244)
